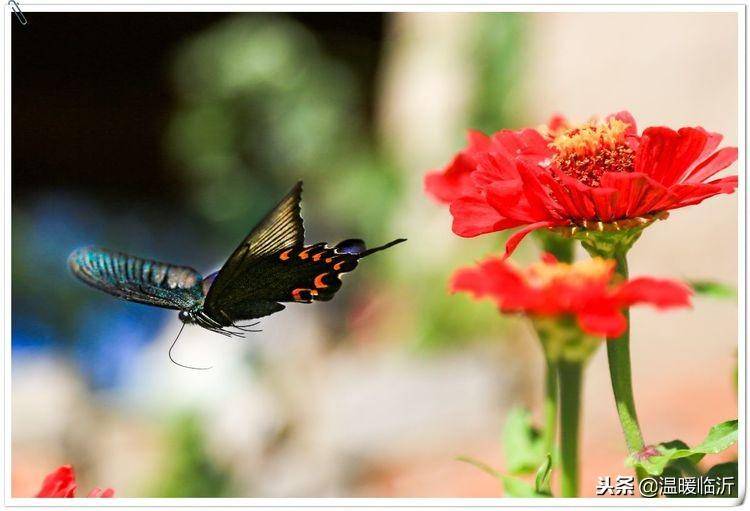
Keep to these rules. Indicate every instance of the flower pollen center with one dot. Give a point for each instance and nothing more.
(587, 151)
(579, 273)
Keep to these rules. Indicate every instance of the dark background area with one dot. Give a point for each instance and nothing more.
(89, 112)
(107, 151)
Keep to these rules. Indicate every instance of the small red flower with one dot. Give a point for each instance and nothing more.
(588, 290)
(572, 176)
(62, 484)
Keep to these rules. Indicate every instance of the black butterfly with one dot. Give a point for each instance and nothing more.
(271, 265)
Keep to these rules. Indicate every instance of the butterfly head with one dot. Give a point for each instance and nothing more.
(186, 317)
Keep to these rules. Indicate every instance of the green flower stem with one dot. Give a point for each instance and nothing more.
(570, 373)
(550, 409)
(618, 353)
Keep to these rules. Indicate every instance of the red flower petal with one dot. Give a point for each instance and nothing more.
(493, 167)
(473, 216)
(715, 163)
(506, 198)
(453, 181)
(524, 142)
(561, 196)
(556, 122)
(657, 292)
(99, 493)
(690, 194)
(513, 241)
(638, 194)
(605, 202)
(665, 154)
(605, 322)
(541, 205)
(712, 142)
(580, 196)
(490, 278)
(727, 184)
(60, 483)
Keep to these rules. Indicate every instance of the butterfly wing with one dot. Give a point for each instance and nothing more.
(294, 274)
(240, 289)
(272, 265)
(137, 279)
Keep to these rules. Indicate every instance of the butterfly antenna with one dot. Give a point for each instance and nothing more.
(177, 363)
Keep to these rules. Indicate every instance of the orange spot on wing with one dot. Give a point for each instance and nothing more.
(316, 257)
(318, 282)
(285, 254)
(304, 253)
(338, 265)
(297, 294)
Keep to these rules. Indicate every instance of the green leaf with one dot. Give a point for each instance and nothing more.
(515, 486)
(542, 483)
(713, 289)
(481, 466)
(678, 446)
(719, 438)
(522, 443)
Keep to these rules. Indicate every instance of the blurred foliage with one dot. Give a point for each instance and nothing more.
(261, 106)
(499, 38)
(446, 320)
(562, 248)
(514, 486)
(713, 289)
(190, 471)
(452, 321)
(522, 442)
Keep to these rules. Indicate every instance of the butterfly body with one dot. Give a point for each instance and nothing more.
(272, 265)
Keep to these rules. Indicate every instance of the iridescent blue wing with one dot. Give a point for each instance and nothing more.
(136, 279)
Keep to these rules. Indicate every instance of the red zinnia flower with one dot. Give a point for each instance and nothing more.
(455, 181)
(587, 290)
(62, 484)
(588, 176)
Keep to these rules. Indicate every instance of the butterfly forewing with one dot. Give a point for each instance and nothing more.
(137, 279)
(281, 228)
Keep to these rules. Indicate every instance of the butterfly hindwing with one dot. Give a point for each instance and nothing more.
(137, 279)
(314, 272)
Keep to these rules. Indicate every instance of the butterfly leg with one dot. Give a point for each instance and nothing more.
(214, 326)
(211, 325)
(248, 327)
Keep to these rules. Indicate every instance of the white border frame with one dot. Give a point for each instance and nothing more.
(417, 6)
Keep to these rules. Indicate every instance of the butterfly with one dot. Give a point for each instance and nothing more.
(272, 265)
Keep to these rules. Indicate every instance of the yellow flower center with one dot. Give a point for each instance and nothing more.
(542, 274)
(587, 151)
